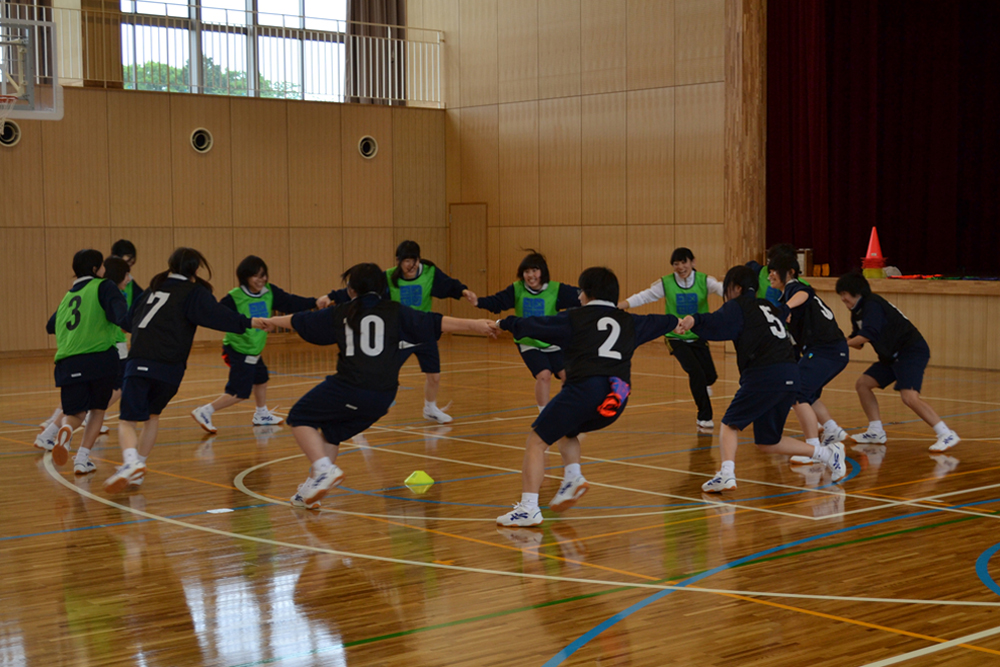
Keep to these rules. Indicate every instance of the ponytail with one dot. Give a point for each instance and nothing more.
(186, 262)
(362, 279)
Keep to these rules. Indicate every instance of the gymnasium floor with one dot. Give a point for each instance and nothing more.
(206, 564)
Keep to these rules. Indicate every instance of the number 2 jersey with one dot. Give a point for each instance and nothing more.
(369, 358)
(597, 339)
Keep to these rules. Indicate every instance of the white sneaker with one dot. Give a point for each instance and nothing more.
(125, 476)
(830, 437)
(803, 460)
(870, 438)
(84, 468)
(60, 451)
(104, 427)
(522, 515)
(946, 441)
(569, 492)
(204, 419)
(312, 490)
(436, 414)
(719, 483)
(44, 443)
(838, 462)
(705, 423)
(298, 500)
(269, 419)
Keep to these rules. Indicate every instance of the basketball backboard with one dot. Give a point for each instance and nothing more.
(29, 68)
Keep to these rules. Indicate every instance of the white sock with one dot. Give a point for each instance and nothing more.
(430, 404)
(142, 459)
(50, 431)
(830, 426)
(571, 471)
(82, 455)
(209, 408)
(941, 429)
(812, 441)
(529, 499)
(875, 427)
(822, 453)
(130, 456)
(322, 465)
(540, 408)
(262, 411)
(728, 468)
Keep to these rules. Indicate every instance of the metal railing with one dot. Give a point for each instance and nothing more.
(176, 48)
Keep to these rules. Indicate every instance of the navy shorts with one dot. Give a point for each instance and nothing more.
(83, 396)
(144, 396)
(766, 410)
(537, 360)
(574, 411)
(120, 378)
(339, 410)
(817, 367)
(242, 375)
(907, 371)
(427, 357)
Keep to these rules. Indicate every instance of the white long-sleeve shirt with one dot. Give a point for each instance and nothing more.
(655, 291)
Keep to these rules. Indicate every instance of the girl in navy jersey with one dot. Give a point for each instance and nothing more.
(177, 302)
(368, 330)
(255, 297)
(532, 295)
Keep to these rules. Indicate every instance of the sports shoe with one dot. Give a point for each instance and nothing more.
(705, 423)
(60, 451)
(802, 460)
(43, 443)
(125, 476)
(830, 437)
(719, 483)
(104, 427)
(522, 515)
(298, 500)
(838, 462)
(870, 438)
(268, 419)
(204, 419)
(946, 441)
(84, 468)
(568, 493)
(312, 490)
(436, 414)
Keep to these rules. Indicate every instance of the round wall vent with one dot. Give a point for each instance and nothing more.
(11, 134)
(368, 147)
(201, 140)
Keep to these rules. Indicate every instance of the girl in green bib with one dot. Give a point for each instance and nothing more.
(254, 297)
(531, 295)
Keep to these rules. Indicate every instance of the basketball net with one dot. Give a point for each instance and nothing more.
(7, 103)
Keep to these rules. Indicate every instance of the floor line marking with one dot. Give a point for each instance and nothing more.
(960, 641)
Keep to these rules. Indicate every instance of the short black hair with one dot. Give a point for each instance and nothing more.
(599, 283)
(407, 250)
(365, 278)
(250, 267)
(780, 249)
(87, 262)
(533, 260)
(742, 276)
(123, 248)
(854, 283)
(115, 269)
(681, 254)
(784, 264)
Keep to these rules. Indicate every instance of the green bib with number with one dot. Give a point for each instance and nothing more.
(82, 326)
(683, 301)
(528, 304)
(414, 293)
(252, 341)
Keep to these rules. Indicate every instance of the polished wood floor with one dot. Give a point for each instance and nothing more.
(206, 564)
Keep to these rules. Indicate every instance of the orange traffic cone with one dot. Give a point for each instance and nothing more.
(873, 264)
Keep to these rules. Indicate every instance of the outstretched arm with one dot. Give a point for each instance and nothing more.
(485, 327)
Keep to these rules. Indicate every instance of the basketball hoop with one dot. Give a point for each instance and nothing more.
(7, 103)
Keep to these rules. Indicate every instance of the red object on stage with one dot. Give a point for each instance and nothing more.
(873, 258)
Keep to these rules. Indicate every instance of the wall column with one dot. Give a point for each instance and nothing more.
(746, 130)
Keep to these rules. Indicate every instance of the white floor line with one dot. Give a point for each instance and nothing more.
(935, 648)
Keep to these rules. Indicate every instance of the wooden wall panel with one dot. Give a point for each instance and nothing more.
(23, 179)
(699, 166)
(517, 50)
(559, 161)
(153, 246)
(445, 15)
(369, 245)
(260, 162)
(603, 159)
(367, 183)
(216, 244)
(75, 155)
(418, 140)
(480, 155)
(315, 197)
(603, 39)
(650, 50)
(59, 247)
(651, 157)
(558, 48)
(708, 243)
(563, 250)
(433, 242)
(453, 155)
(649, 248)
(512, 244)
(700, 47)
(478, 52)
(203, 183)
(606, 246)
(317, 260)
(518, 125)
(139, 151)
(23, 325)
(268, 243)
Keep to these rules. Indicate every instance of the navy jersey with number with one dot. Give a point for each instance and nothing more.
(813, 323)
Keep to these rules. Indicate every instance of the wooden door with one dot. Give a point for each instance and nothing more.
(467, 246)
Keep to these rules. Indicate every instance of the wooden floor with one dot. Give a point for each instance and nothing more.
(207, 564)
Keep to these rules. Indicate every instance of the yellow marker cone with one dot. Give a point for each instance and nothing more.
(418, 481)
